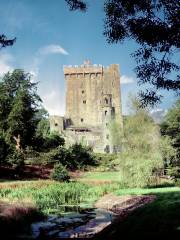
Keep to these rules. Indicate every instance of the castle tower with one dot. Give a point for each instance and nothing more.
(93, 101)
(88, 86)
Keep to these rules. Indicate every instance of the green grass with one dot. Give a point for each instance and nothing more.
(50, 196)
(157, 219)
(102, 176)
(142, 191)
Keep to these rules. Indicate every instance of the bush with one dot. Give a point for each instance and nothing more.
(79, 157)
(44, 144)
(16, 159)
(60, 173)
(107, 162)
(74, 157)
(52, 141)
(56, 155)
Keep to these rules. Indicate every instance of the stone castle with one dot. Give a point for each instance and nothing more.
(92, 102)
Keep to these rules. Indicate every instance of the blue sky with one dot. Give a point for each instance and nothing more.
(50, 36)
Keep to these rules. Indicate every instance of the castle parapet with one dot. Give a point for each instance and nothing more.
(83, 69)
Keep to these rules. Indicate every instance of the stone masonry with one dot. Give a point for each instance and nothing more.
(92, 101)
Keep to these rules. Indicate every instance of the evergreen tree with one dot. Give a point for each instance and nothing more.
(21, 122)
(18, 106)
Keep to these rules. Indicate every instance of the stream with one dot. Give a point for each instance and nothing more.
(77, 223)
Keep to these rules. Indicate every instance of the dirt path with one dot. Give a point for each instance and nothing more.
(122, 205)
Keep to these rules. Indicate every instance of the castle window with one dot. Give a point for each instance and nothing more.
(84, 101)
(106, 124)
(106, 101)
(82, 91)
(92, 76)
(56, 124)
(107, 136)
(82, 119)
(105, 113)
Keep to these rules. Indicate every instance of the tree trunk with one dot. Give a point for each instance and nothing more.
(18, 142)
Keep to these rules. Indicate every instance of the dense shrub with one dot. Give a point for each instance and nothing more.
(107, 162)
(60, 173)
(16, 159)
(46, 143)
(80, 157)
(74, 157)
(52, 141)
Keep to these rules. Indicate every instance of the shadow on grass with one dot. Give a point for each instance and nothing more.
(160, 218)
(163, 185)
(16, 218)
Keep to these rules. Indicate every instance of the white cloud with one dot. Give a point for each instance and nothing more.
(53, 49)
(39, 58)
(126, 79)
(158, 110)
(5, 63)
(54, 102)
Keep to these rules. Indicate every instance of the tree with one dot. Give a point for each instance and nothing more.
(18, 105)
(142, 157)
(43, 125)
(154, 25)
(171, 127)
(4, 42)
(21, 124)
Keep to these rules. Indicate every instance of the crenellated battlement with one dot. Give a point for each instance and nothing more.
(82, 69)
(87, 69)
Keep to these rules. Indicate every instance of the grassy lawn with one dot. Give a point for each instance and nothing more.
(157, 219)
(101, 177)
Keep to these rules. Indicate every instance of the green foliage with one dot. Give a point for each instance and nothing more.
(169, 153)
(80, 157)
(142, 156)
(43, 128)
(107, 162)
(174, 172)
(74, 157)
(48, 142)
(18, 105)
(139, 169)
(3, 148)
(20, 119)
(43, 125)
(171, 128)
(16, 159)
(60, 173)
(53, 140)
(141, 20)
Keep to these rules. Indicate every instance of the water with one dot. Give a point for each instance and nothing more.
(76, 222)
